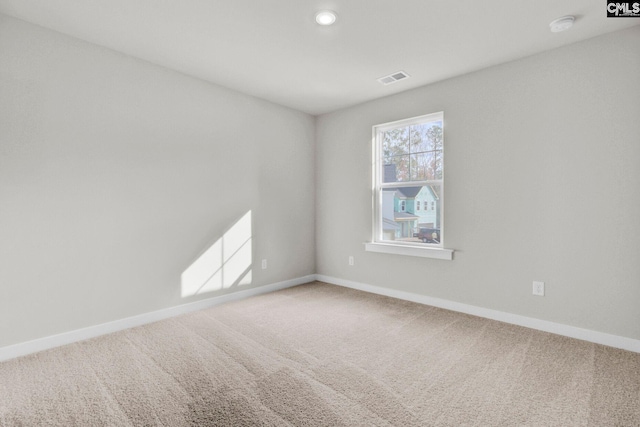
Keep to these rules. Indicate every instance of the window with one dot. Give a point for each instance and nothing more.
(408, 169)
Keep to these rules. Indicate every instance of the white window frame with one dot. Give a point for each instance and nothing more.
(377, 243)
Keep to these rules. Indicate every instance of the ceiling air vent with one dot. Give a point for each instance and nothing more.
(392, 78)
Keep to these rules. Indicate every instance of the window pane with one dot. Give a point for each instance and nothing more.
(395, 142)
(413, 153)
(426, 137)
(396, 169)
(426, 166)
(411, 224)
(419, 141)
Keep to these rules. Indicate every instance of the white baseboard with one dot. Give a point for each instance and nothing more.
(29, 347)
(515, 319)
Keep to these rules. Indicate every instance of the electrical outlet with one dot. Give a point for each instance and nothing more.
(538, 288)
(264, 264)
(350, 259)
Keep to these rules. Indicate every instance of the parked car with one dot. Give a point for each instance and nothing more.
(429, 235)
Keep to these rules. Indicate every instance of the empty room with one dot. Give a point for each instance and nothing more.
(319, 213)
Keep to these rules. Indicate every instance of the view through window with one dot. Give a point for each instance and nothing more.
(409, 181)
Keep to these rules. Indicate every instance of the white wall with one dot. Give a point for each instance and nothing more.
(542, 165)
(116, 174)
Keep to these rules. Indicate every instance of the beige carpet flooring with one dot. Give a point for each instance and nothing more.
(321, 355)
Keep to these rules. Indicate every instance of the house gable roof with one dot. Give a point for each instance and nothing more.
(412, 192)
(409, 192)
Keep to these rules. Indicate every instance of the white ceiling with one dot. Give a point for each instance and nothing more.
(275, 50)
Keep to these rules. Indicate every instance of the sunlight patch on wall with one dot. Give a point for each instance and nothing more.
(226, 263)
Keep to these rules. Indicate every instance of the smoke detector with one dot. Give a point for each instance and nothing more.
(562, 24)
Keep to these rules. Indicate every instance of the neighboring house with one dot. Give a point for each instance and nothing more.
(425, 205)
(390, 228)
(407, 209)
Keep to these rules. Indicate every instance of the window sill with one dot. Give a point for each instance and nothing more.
(389, 248)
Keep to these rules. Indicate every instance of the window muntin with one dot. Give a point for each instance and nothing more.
(408, 174)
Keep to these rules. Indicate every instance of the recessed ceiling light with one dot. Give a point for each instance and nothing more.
(326, 17)
(562, 24)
